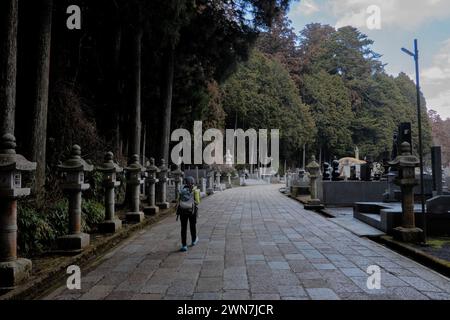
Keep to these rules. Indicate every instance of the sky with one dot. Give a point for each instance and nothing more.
(394, 24)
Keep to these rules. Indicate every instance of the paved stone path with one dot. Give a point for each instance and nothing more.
(255, 243)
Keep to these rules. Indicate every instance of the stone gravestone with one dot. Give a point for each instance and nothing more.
(326, 171)
(335, 170)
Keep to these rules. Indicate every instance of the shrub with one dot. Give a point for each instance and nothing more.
(38, 231)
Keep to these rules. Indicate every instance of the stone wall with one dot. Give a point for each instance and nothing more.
(346, 193)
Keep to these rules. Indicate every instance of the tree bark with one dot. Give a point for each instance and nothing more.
(8, 64)
(167, 88)
(40, 93)
(117, 90)
(135, 130)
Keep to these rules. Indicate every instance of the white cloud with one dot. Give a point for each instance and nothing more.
(406, 14)
(435, 81)
(306, 8)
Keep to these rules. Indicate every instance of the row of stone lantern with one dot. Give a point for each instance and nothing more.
(14, 270)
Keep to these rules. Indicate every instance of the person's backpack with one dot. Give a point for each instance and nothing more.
(186, 203)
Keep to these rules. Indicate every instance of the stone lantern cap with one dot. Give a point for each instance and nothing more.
(134, 165)
(75, 162)
(109, 166)
(405, 159)
(9, 159)
(152, 167)
(313, 166)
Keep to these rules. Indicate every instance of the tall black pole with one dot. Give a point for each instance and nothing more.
(419, 123)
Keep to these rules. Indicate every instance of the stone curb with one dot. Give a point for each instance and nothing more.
(437, 264)
(323, 212)
(38, 285)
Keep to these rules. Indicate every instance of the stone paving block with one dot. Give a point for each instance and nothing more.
(353, 272)
(235, 284)
(279, 265)
(154, 289)
(322, 294)
(181, 288)
(420, 284)
(301, 266)
(314, 283)
(295, 256)
(236, 295)
(149, 296)
(207, 296)
(324, 266)
(265, 296)
(291, 291)
(98, 292)
(209, 284)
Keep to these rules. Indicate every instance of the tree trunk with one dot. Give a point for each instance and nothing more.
(8, 64)
(167, 88)
(117, 91)
(40, 94)
(135, 130)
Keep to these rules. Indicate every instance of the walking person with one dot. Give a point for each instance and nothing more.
(187, 211)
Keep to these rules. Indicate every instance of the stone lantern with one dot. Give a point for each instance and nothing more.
(134, 180)
(229, 185)
(152, 172)
(162, 194)
(178, 178)
(406, 163)
(12, 269)
(210, 189)
(314, 173)
(73, 170)
(218, 185)
(109, 169)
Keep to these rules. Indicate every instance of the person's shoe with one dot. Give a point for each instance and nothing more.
(195, 242)
(183, 249)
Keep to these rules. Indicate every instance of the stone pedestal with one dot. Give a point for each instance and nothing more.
(411, 235)
(14, 272)
(75, 241)
(151, 208)
(135, 215)
(111, 223)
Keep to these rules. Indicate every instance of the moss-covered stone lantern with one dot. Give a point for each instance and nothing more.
(72, 183)
(162, 190)
(152, 179)
(177, 175)
(314, 173)
(110, 169)
(406, 164)
(12, 269)
(134, 180)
